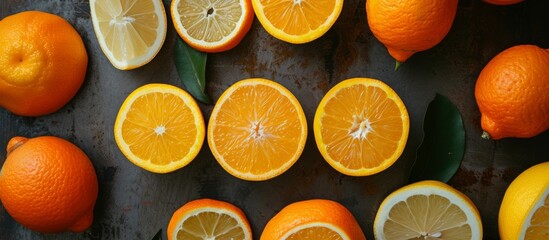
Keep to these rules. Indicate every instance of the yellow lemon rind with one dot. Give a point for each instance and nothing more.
(521, 200)
(128, 64)
(540, 201)
(429, 187)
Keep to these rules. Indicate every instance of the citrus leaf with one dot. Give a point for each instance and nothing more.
(441, 151)
(158, 235)
(191, 67)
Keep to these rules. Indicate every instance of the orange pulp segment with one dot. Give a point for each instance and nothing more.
(159, 128)
(361, 126)
(257, 129)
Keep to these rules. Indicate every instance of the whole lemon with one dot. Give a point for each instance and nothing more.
(43, 63)
(48, 184)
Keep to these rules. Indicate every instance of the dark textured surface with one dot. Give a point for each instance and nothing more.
(135, 204)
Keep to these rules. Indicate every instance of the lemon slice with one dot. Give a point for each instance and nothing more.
(427, 210)
(536, 225)
(524, 210)
(130, 32)
(159, 128)
(212, 26)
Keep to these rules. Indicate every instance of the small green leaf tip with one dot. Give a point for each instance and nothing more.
(397, 65)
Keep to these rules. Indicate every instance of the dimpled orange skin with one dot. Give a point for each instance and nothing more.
(312, 211)
(43, 63)
(407, 27)
(48, 184)
(502, 2)
(512, 93)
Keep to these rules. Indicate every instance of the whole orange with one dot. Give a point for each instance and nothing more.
(407, 27)
(43, 63)
(512, 93)
(502, 2)
(48, 184)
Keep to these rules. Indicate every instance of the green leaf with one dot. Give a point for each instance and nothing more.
(191, 67)
(158, 235)
(440, 154)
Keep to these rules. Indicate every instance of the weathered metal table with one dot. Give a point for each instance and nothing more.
(135, 204)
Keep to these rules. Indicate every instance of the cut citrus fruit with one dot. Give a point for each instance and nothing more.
(257, 129)
(130, 32)
(159, 128)
(427, 210)
(297, 21)
(361, 126)
(524, 211)
(212, 26)
(313, 219)
(209, 219)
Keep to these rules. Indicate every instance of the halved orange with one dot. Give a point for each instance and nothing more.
(159, 127)
(212, 26)
(313, 219)
(361, 126)
(297, 21)
(209, 219)
(257, 129)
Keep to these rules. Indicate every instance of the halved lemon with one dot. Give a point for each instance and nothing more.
(427, 210)
(297, 21)
(159, 127)
(361, 126)
(257, 129)
(524, 211)
(209, 219)
(130, 32)
(212, 26)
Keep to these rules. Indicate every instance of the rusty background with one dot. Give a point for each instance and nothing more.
(135, 204)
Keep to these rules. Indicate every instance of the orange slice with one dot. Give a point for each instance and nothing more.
(257, 129)
(427, 210)
(361, 126)
(313, 219)
(130, 32)
(297, 21)
(159, 128)
(209, 219)
(212, 26)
